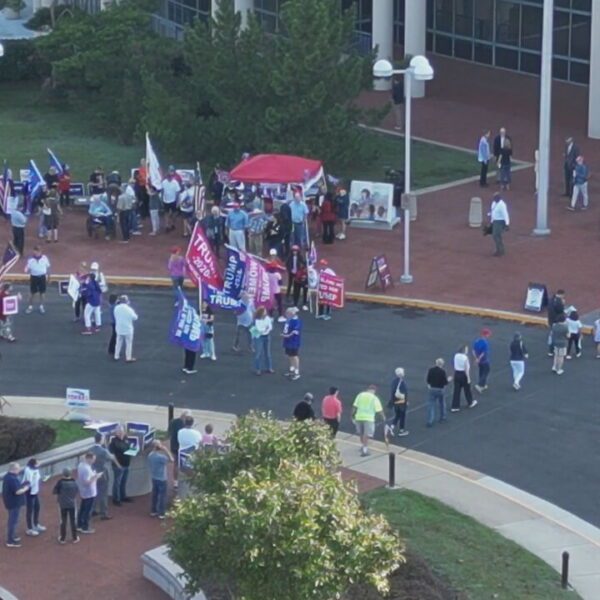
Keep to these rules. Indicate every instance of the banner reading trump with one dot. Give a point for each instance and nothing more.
(201, 261)
(186, 327)
(258, 282)
(234, 273)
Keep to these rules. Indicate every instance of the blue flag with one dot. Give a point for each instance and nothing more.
(233, 279)
(219, 299)
(54, 162)
(36, 181)
(186, 326)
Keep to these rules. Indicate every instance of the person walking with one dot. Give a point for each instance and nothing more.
(462, 379)
(292, 339)
(437, 379)
(175, 426)
(505, 165)
(92, 293)
(556, 309)
(13, 496)
(483, 157)
(304, 411)
(38, 267)
(559, 334)
(570, 156)
(237, 223)
(574, 325)
(66, 491)
(118, 447)
(331, 410)
(365, 410)
(125, 317)
(481, 353)
(518, 354)
(243, 322)
(597, 337)
(176, 267)
(31, 475)
(261, 333)
(581, 174)
(100, 465)
(125, 214)
(208, 332)
(170, 192)
(18, 221)
(500, 222)
(399, 402)
(86, 482)
(158, 459)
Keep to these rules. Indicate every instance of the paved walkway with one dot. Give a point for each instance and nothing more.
(542, 528)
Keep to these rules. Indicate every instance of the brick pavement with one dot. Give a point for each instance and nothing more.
(105, 564)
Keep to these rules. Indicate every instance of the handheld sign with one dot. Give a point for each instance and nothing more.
(73, 288)
(63, 287)
(10, 305)
(331, 290)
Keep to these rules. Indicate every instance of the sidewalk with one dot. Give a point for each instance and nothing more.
(542, 528)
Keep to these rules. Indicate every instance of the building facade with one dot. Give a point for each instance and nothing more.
(505, 34)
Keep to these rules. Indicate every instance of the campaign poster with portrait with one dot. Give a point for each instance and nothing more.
(372, 201)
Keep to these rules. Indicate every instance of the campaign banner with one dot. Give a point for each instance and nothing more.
(220, 299)
(10, 305)
(186, 326)
(233, 279)
(201, 261)
(331, 290)
(258, 283)
(77, 398)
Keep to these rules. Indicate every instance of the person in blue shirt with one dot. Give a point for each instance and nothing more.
(292, 339)
(483, 157)
(237, 223)
(13, 495)
(581, 174)
(299, 212)
(91, 291)
(18, 221)
(100, 211)
(481, 352)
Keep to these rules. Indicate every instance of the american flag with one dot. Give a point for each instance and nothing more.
(5, 189)
(199, 191)
(9, 259)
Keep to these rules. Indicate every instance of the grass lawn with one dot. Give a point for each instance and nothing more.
(475, 560)
(66, 431)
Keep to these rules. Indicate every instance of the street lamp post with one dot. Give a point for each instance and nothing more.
(421, 70)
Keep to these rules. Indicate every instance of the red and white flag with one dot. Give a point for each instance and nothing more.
(201, 261)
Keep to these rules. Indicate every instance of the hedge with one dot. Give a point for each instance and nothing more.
(20, 438)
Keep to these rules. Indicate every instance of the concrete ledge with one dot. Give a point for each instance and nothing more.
(166, 574)
(6, 595)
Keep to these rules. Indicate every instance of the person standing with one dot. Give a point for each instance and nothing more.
(570, 156)
(175, 426)
(158, 459)
(86, 482)
(328, 218)
(500, 142)
(213, 227)
(303, 411)
(518, 354)
(483, 156)
(274, 269)
(237, 223)
(18, 221)
(125, 213)
(66, 491)
(6, 332)
(462, 379)
(437, 379)
(243, 323)
(13, 497)
(119, 447)
(481, 353)
(176, 267)
(208, 332)
(51, 210)
(299, 212)
(365, 409)
(292, 339)
(342, 209)
(574, 326)
(64, 186)
(399, 402)
(581, 174)
(100, 465)
(556, 309)
(500, 222)
(331, 410)
(559, 334)
(187, 436)
(125, 317)
(170, 192)
(31, 475)
(294, 263)
(398, 101)
(257, 223)
(261, 332)
(505, 165)
(112, 303)
(154, 209)
(38, 267)
(92, 293)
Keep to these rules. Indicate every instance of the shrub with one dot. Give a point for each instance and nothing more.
(20, 61)
(23, 437)
(42, 19)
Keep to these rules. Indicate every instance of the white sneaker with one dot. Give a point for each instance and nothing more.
(516, 386)
(39, 528)
(342, 236)
(29, 310)
(213, 357)
(560, 372)
(473, 404)
(304, 307)
(42, 309)
(32, 532)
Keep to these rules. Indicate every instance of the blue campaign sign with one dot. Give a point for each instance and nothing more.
(220, 299)
(186, 326)
(233, 279)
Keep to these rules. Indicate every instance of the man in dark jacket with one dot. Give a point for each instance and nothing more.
(556, 310)
(13, 495)
(304, 410)
(570, 156)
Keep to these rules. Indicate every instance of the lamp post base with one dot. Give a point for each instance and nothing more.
(541, 232)
(406, 278)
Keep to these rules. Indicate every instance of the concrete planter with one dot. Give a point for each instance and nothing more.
(11, 14)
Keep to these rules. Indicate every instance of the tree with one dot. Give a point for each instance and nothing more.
(279, 526)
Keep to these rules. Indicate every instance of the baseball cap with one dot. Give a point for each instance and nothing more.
(272, 252)
(94, 266)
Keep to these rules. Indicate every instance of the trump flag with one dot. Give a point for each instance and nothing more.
(201, 261)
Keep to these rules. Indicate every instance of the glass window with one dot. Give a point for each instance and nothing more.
(509, 59)
(531, 63)
(580, 36)
(560, 68)
(443, 15)
(531, 28)
(443, 45)
(484, 20)
(563, 3)
(463, 49)
(483, 53)
(429, 42)
(580, 72)
(430, 14)
(583, 5)
(508, 17)
(399, 10)
(463, 17)
(561, 32)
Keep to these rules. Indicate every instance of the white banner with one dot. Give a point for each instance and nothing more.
(153, 166)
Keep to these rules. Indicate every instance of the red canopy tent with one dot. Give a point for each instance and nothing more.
(277, 168)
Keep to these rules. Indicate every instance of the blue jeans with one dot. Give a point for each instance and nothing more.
(159, 496)
(85, 512)
(11, 527)
(120, 475)
(299, 234)
(484, 371)
(262, 354)
(436, 396)
(32, 514)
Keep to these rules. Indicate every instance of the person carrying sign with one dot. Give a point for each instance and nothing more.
(324, 309)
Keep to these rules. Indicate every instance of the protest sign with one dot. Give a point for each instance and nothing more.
(331, 290)
(220, 299)
(10, 305)
(77, 398)
(233, 280)
(186, 326)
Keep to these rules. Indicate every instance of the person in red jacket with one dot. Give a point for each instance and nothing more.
(328, 218)
(64, 186)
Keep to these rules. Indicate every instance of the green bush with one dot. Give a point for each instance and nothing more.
(42, 20)
(20, 61)
(23, 437)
